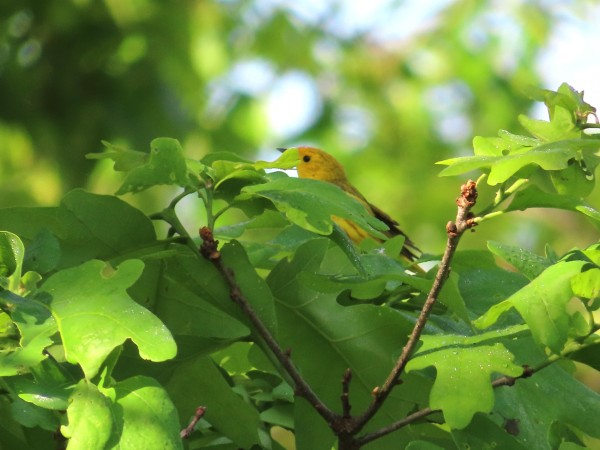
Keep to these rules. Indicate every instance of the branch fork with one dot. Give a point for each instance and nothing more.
(344, 425)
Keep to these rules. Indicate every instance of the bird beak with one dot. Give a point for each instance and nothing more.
(281, 149)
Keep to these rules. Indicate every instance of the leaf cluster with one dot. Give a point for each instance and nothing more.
(114, 336)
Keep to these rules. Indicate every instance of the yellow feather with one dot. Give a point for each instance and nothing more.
(318, 165)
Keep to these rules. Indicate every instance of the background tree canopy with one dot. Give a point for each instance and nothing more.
(389, 94)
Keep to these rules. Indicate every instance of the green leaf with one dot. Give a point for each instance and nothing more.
(551, 156)
(145, 415)
(194, 299)
(289, 159)
(49, 387)
(310, 319)
(460, 165)
(344, 242)
(310, 429)
(86, 225)
(589, 354)
(210, 158)
(227, 170)
(452, 298)
(90, 418)
(549, 396)
(31, 416)
(543, 305)
(534, 197)
(483, 433)
(422, 445)
(587, 283)
(236, 168)
(12, 253)
(234, 358)
(43, 253)
(266, 219)
(561, 126)
(380, 268)
(526, 262)
(280, 414)
(474, 285)
(95, 314)
(165, 165)
(573, 181)
(311, 203)
(125, 160)
(507, 143)
(463, 366)
(186, 308)
(517, 141)
(36, 327)
(565, 96)
(593, 253)
(12, 434)
(225, 410)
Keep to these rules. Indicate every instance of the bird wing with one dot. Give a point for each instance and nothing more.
(410, 250)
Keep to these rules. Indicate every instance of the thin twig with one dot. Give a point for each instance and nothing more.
(455, 230)
(498, 382)
(346, 407)
(411, 418)
(209, 249)
(185, 433)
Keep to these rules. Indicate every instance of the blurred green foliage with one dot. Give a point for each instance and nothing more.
(75, 72)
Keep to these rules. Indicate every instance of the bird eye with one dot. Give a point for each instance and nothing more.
(306, 158)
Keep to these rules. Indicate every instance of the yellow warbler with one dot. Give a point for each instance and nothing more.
(318, 165)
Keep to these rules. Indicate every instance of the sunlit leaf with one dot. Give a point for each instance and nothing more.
(534, 197)
(125, 159)
(463, 365)
(311, 203)
(543, 305)
(288, 160)
(526, 262)
(95, 314)
(89, 418)
(12, 253)
(551, 395)
(36, 326)
(165, 165)
(145, 416)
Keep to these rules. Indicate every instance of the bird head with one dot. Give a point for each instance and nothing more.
(318, 165)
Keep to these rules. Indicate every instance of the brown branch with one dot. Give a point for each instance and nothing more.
(527, 372)
(345, 426)
(185, 433)
(464, 221)
(209, 249)
(411, 418)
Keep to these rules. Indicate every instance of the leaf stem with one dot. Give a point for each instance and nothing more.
(208, 202)
(501, 195)
(187, 191)
(488, 216)
(220, 212)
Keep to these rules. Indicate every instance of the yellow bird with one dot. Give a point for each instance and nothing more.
(318, 165)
